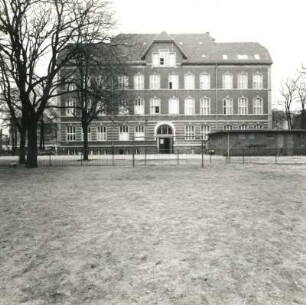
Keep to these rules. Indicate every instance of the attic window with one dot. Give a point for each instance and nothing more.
(200, 42)
(203, 56)
(242, 56)
(257, 56)
(144, 43)
(225, 56)
(180, 42)
(164, 58)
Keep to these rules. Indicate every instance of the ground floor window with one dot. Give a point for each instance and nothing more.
(71, 133)
(101, 133)
(139, 133)
(258, 126)
(190, 132)
(205, 131)
(228, 127)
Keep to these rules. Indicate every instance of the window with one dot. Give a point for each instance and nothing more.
(155, 106)
(164, 129)
(164, 58)
(123, 108)
(242, 81)
(242, 56)
(71, 134)
(258, 126)
(139, 106)
(224, 56)
(257, 81)
(154, 82)
(257, 56)
(205, 131)
(88, 134)
(70, 107)
(123, 133)
(139, 133)
(123, 82)
(139, 82)
(227, 127)
(173, 80)
(257, 106)
(190, 132)
(227, 81)
(242, 127)
(228, 106)
(205, 106)
(242, 106)
(189, 106)
(101, 133)
(174, 106)
(189, 81)
(70, 84)
(204, 81)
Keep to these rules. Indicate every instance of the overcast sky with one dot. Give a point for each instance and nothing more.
(279, 25)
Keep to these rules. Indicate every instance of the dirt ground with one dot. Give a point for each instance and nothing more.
(180, 235)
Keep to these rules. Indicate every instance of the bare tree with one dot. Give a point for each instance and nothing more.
(289, 93)
(32, 35)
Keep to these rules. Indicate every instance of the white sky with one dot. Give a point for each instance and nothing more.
(279, 25)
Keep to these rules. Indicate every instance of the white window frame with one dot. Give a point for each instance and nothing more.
(139, 106)
(123, 108)
(204, 81)
(189, 81)
(173, 81)
(228, 108)
(242, 81)
(205, 130)
(70, 107)
(124, 133)
(257, 81)
(155, 82)
(228, 127)
(123, 82)
(155, 106)
(174, 105)
(138, 82)
(243, 126)
(258, 106)
(189, 106)
(164, 58)
(89, 134)
(190, 132)
(227, 81)
(101, 133)
(243, 106)
(71, 134)
(139, 134)
(205, 106)
(258, 126)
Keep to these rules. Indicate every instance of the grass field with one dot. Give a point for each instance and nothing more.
(222, 235)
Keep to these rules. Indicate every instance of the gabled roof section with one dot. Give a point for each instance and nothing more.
(163, 37)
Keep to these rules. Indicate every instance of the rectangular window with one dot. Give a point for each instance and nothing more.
(101, 133)
(173, 80)
(242, 81)
(123, 108)
(205, 131)
(189, 106)
(155, 106)
(228, 106)
(123, 133)
(123, 82)
(139, 82)
(71, 133)
(189, 81)
(257, 81)
(258, 106)
(190, 132)
(227, 81)
(139, 106)
(139, 133)
(204, 81)
(70, 107)
(205, 106)
(154, 82)
(174, 107)
(242, 106)
(88, 134)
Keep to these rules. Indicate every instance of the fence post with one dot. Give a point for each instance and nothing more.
(202, 151)
(50, 159)
(81, 158)
(210, 159)
(133, 152)
(243, 156)
(145, 155)
(113, 156)
(178, 157)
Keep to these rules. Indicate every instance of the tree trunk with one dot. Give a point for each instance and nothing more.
(32, 144)
(85, 142)
(303, 119)
(22, 150)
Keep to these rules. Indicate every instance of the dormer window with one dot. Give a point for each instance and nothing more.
(163, 58)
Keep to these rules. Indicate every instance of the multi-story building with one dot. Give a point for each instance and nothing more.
(180, 87)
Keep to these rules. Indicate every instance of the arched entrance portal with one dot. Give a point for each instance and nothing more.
(164, 136)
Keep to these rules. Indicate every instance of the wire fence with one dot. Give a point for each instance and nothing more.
(134, 159)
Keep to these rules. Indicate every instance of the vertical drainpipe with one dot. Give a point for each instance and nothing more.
(216, 94)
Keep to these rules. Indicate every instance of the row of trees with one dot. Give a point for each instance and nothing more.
(293, 99)
(49, 45)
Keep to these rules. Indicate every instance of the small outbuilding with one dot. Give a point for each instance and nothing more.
(258, 142)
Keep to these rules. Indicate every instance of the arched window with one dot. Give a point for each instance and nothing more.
(227, 127)
(204, 106)
(242, 106)
(164, 130)
(258, 105)
(228, 106)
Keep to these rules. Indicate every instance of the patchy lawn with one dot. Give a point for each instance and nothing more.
(222, 235)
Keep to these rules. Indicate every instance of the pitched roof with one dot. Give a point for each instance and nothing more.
(197, 48)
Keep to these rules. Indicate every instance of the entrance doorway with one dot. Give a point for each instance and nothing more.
(164, 139)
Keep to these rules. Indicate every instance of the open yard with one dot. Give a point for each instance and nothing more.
(223, 235)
